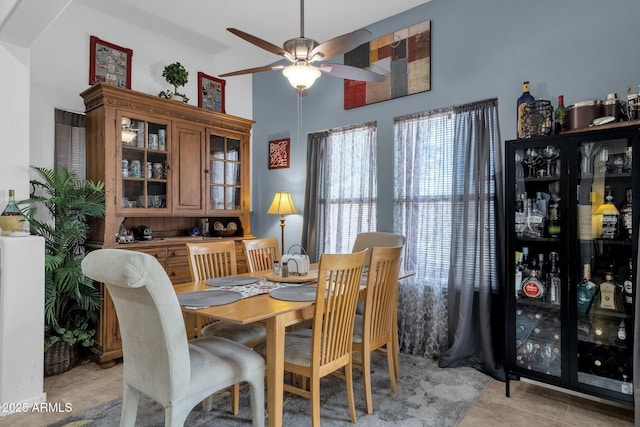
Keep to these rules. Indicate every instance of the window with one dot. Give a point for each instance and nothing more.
(70, 144)
(341, 195)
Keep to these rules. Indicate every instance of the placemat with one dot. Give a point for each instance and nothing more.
(294, 293)
(227, 281)
(201, 299)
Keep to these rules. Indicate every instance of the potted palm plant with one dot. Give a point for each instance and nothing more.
(176, 75)
(57, 210)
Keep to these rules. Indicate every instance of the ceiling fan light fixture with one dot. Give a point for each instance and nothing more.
(301, 76)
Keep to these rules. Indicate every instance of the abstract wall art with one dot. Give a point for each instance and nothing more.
(403, 56)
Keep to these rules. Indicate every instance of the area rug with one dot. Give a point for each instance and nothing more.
(426, 396)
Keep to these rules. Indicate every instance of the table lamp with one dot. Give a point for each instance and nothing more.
(282, 205)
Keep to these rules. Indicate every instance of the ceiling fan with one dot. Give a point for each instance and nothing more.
(303, 52)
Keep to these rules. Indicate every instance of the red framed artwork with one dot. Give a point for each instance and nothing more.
(109, 63)
(210, 92)
(279, 153)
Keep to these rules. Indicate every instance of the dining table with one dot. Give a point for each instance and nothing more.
(276, 315)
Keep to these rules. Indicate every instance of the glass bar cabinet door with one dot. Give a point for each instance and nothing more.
(538, 279)
(604, 302)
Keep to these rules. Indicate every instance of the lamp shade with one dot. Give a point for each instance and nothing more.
(301, 76)
(282, 204)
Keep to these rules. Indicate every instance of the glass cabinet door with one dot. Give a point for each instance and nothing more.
(143, 165)
(225, 182)
(539, 259)
(604, 302)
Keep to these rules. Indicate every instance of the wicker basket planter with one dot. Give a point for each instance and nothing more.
(60, 357)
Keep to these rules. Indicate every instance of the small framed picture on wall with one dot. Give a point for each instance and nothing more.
(109, 63)
(210, 93)
(279, 153)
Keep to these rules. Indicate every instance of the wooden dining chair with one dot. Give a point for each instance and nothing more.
(261, 253)
(370, 239)
(374, 329)
(326, 349)
(212, 259)
(158, 359)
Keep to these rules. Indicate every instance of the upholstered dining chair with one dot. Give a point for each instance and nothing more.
(261, 253)
(326, 349)
(158, 359)
(374, 329)
(370, 239)
(211, 259)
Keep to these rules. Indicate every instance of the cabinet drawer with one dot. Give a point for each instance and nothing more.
(179, 274)
(177, 255)
(159, 253)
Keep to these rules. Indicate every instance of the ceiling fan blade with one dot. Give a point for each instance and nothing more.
(270, 47)
(253, 70)
(341, 44)
(351, 73)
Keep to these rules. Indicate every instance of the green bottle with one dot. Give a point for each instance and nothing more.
(560, 122)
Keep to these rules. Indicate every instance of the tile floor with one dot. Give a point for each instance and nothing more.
(86, 386)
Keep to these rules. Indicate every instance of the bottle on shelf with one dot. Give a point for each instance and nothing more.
(518, 277)
(610, 216)
(609, 293)
(522, 102)
(560, 119)
(553, 279)
(12, 208)
(543, 269)
(622, 331)
(626, 214)
(553, 216)
(520, 214)
(532, 286)
(628, 285)
(586, 289)
(525, 261)
(535, 220)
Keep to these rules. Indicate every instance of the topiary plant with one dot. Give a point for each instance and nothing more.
(176, 75)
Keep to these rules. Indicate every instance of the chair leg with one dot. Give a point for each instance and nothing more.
(256, 398)
(314, 385)
(392, 359)
(366, 378)
(130, 398)
(348, 370)
(235, 398)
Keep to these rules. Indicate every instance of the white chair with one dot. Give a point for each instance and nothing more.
(159, 361)
(372, 239)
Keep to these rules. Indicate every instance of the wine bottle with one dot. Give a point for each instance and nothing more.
(522, 102)
(553, 217)
(628, 285)
(560, 121)
(626, 214)
(553, 280)
(12, 208)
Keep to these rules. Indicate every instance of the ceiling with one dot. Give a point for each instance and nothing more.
(202, 24)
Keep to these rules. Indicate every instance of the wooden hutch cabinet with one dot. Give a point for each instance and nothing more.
(167, 166)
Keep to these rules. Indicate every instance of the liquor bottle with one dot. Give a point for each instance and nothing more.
(626, 214)
(543, 269)
(532, 287)
(610, 213)
(525, 261)
(520, 214)
(608, 299)
(553, 279)
(626, 387)
(12, 208)
(518, 278)
(622, 331)
(553, 216)
(535, 220)
(560, 121)
(628, 285)
(522, 102)
(586, 289)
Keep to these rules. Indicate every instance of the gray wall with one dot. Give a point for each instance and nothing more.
(582, 49)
